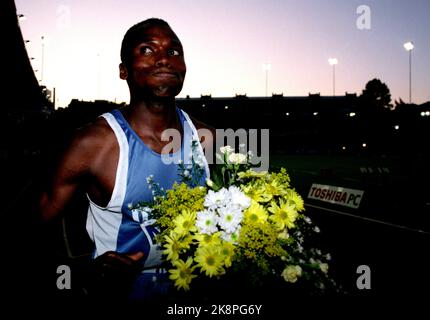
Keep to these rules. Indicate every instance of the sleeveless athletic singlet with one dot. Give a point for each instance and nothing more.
(116, 227)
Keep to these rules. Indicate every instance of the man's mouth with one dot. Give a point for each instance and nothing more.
(165, 74)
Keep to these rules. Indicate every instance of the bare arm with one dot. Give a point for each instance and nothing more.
(71, 171)
(112, 273)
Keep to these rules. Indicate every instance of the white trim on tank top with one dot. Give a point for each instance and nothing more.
(118, 194)
(107, 225)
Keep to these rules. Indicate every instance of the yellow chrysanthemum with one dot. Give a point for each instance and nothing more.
(185, 222)
(257, 192)
(208, 258)
(182, 275)
(174, 243)
(296, 199)
(208, 240)
(172, 246)
(284, 215)
(275, 188)
(256, 213)
(227, 251)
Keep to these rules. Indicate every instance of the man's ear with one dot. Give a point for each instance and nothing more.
(123, 73)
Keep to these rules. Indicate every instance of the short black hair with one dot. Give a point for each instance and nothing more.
(133, 36)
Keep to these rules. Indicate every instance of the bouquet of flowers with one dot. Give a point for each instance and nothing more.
(243, 222)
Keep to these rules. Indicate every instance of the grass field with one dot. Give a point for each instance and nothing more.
(389, 232)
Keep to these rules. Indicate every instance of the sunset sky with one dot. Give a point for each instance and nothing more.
(226, 43)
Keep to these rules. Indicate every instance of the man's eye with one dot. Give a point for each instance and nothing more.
(174, 52)
(146, 51)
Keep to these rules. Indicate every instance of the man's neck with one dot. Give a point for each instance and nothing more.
(154, 115)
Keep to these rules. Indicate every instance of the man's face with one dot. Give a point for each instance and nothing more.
(158, 65)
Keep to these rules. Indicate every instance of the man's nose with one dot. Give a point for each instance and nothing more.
(163, 59)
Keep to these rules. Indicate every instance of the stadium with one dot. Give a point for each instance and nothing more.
(361, 167)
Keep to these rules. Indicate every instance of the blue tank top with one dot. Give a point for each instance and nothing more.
(116, 227)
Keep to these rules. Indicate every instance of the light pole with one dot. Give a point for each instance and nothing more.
(43, 53)
(333, 62)
(267, 67)
(409, 46)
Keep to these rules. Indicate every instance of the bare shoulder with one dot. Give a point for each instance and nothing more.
(77, 165)
(96, 134)
(89, 144)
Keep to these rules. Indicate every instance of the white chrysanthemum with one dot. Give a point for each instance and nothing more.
(206, 222)
(226, 149)
(324, 267)
(214, 200)
(186, 173)
(291, 273)
(237, 158)
(232, 237)
(229, 218)
(239, 198)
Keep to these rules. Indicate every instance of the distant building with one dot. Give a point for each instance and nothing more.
(318, 124)
(274, 112)
(309, 124)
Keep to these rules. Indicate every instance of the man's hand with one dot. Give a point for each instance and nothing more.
(112, 274)
(113, 263)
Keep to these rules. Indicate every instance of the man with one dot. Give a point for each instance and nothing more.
(113, 157)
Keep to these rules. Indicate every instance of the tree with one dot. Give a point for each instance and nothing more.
(399, 104)
(376, 94)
